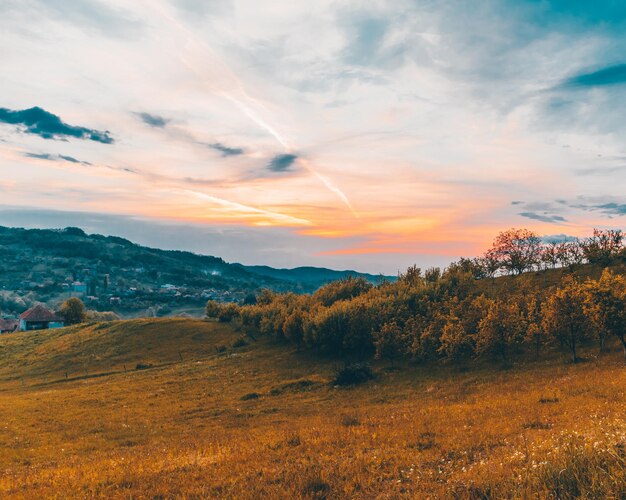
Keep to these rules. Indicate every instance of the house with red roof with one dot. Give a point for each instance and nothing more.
(39, 318)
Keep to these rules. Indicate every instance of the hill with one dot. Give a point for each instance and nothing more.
(179, 407)
(315, 277)
(112, 273)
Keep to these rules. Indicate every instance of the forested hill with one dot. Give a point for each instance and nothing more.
(112, 273)
(311, 275)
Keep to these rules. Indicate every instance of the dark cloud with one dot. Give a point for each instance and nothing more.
(40, 156)
(51, 157)
(607, 206)
(612, 208)
(226, 150)
(71, 159)
(543, 217)
(155, 121)
(516, 202)
(611, 75)
(40, 122)
(282, 162)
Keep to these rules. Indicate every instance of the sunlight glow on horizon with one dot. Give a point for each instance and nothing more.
(372, 130)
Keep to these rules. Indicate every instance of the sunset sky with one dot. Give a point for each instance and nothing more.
(362, 135)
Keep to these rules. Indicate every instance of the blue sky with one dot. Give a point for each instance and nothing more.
(368, 135)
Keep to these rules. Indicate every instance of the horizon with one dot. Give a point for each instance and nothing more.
(336, 135)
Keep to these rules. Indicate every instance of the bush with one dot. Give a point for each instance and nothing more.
(353, 374)
(251, 395)
(227, 313)
(102, 316)
(240, 342)
(212, 309)
(143, 366)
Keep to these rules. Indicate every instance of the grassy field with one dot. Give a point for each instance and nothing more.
(202, 417)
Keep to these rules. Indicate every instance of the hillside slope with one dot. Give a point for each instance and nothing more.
(112, 273)
(216, 417)
(97, 348)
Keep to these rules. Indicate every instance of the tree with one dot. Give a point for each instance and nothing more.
(227, 313)
(389, 342)
(534, 331)
(500, 329)
(607, 306)
(564, 315)
(432, 274)
(488, 264)
(456, 344)
(293, 327)
(74, 231)
(344, 289)
(412, 276)
(550, 254)
(265, 297)
(602, 246)
(517, 250)
(212, 309)
(73, 311)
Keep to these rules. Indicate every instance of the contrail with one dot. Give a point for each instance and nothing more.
(246, 208)
(244, 102)
(329, 185)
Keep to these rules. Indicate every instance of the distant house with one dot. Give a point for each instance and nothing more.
(8, 325)
(39, 318)
(79, 287)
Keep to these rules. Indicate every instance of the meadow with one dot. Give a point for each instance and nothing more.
(166, 408)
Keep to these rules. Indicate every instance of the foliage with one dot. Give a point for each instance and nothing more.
(344, 289)
(73, 311)
(228, 312)
(606, 305)
(462, 313)
(101, 316)
(212, 309)
(516, 250)
(354, 374)
(389, 342)
(500, 329)
(564, 315)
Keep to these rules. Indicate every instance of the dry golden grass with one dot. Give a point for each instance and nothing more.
(189, 426)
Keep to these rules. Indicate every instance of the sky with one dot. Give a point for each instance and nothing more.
(346, 134)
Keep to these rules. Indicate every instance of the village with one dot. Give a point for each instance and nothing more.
(30, 276)
(128, 301)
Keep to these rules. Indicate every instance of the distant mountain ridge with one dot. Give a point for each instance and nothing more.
(309, 274)
(113, 273)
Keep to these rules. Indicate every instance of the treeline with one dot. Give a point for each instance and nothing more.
(459, 313)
